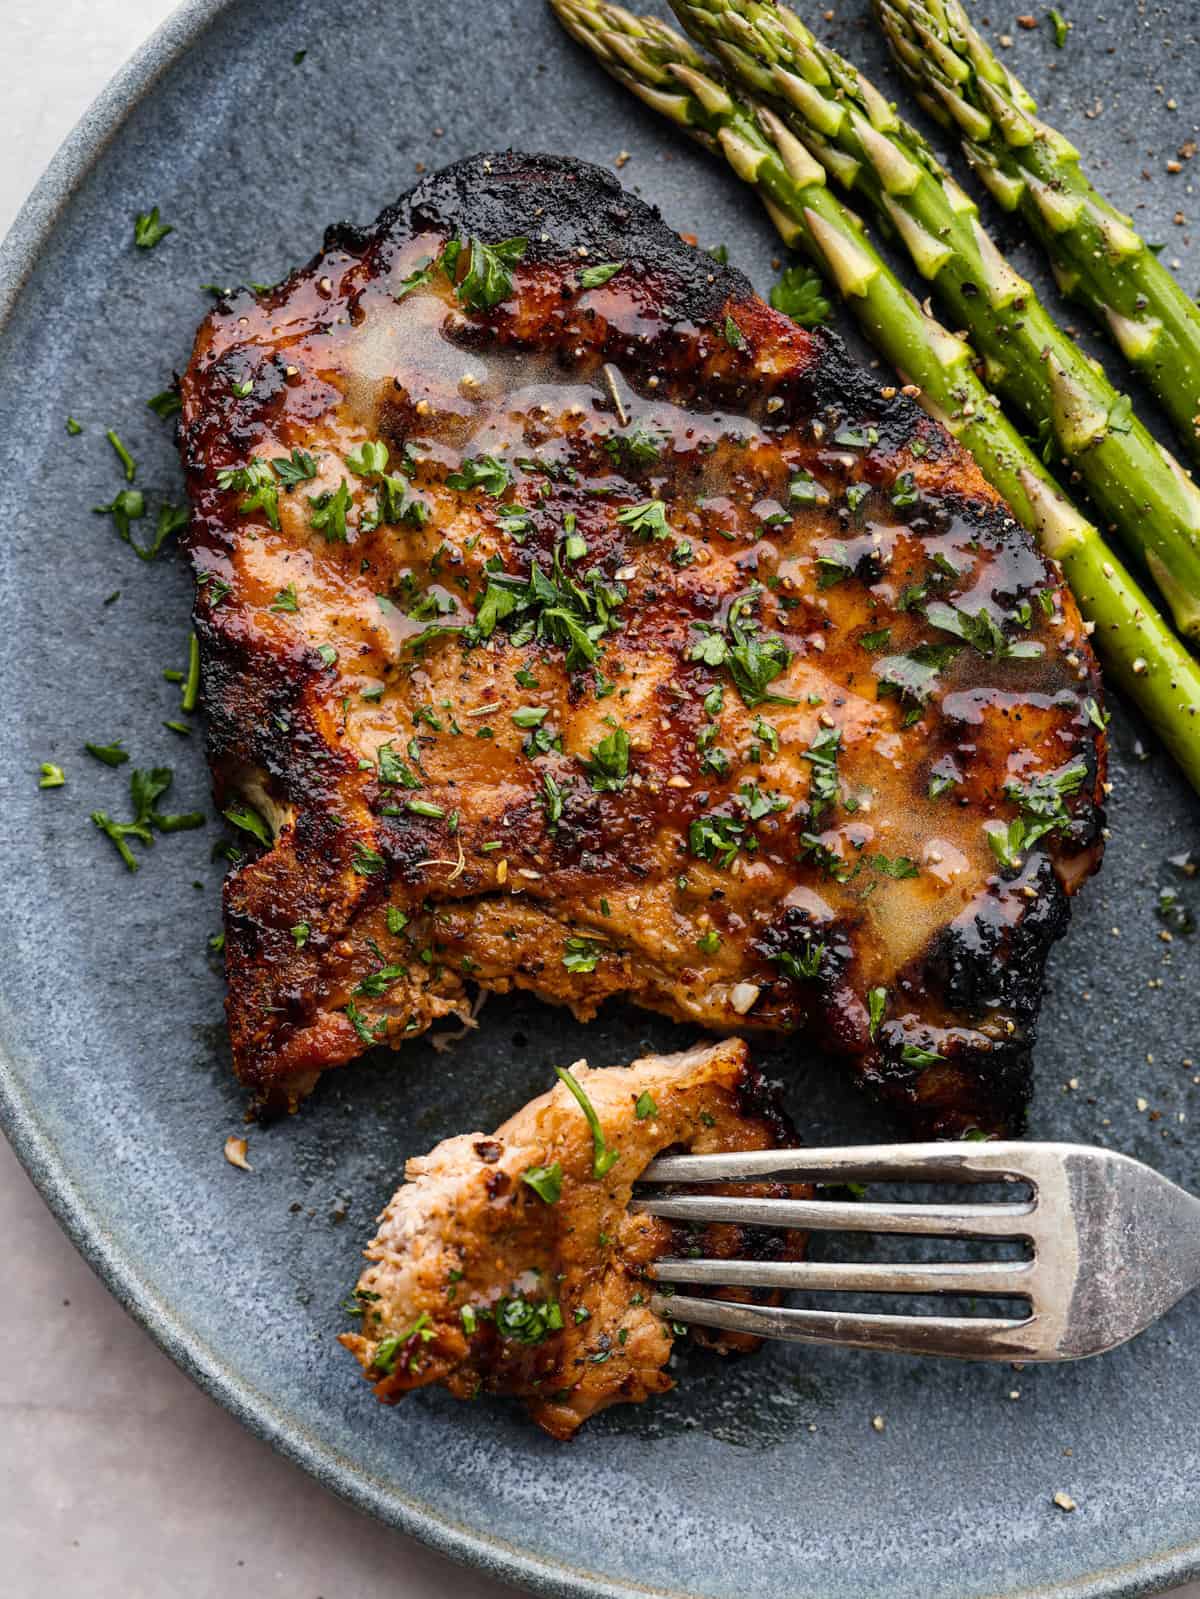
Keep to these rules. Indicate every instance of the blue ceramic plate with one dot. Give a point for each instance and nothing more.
(765, 1478)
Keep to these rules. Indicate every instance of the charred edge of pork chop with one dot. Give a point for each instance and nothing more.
(954, 1046)
(480, 1284)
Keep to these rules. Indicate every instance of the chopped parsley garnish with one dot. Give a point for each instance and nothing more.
(215, 588)
(52, 776)
(1098, 718)
(912, 677)
(126, 507)
(608, 767)
(488, 279)
(905, 491)
(799, 293)
(300, 933)
(856, 493)
(803, 489)
(392, 769)
(800, 965)
(148, 230)
(897, 866)
(369, 1032)
(645, 1107)
(299, 467)
(603, 1158)
(833, 566)
(397, 921)
(734, 337)
(114, 754)
(581, 954)
(1042, 811)
(876, 1005)
(980, 630)
(940, 782)
(757, 803)
(546, 1182)
(709, 943)
(368, 459)
(854, 438)
(753, 660)
(527, 1321)
(388, 1350)
(171, 519)
(551, 800)
(768, 733)
(166, 404)
(717, 839)
(592, 277)
(395, 503)
(257, 482)
(416, 279)
(514, 521)
(638, 445)
(713, 758)
(830, 862)
(327, 513)
(376, 983)
(647, 521)
(484, 472)
(875, 642)
(574, 611)
(285, 600)
(250, 821)
(145, 790)
(914, 1055)
(529, 715)
(823, 754)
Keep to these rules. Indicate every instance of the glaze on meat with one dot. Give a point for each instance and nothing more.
(504, 1265)
(619, 637)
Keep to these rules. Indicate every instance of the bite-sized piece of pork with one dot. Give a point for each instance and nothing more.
(506, 1265)
(580, 624)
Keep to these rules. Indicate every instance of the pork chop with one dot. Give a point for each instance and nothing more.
(573, 621)
(511, 1264)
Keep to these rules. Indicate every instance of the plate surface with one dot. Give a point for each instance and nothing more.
(765, 1478)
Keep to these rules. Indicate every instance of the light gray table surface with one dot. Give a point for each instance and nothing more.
(118, 1478)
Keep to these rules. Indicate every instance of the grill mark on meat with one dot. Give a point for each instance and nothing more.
(741, 401)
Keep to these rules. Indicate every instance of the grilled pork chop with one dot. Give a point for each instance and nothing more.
(578, 623)
(506, 1265)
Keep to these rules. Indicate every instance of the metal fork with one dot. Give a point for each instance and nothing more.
(1113, 1246)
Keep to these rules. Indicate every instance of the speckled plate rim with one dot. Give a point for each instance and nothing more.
(19, 254)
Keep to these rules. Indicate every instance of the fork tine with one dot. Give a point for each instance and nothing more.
(966, 1337)
(984, 1277)
(935, 1221)
(895, 1163)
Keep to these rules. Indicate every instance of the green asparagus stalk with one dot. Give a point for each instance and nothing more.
(1142, 655)
(1097, 256)
(846, 123)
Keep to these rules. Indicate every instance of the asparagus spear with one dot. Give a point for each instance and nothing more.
(1141, 653)
(847, 124)
(1097, 256)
